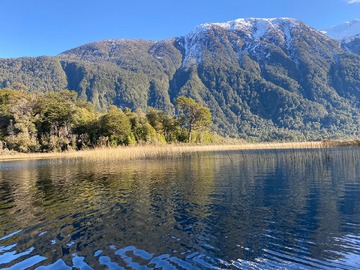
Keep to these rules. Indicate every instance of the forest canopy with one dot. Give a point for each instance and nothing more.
(60, 121)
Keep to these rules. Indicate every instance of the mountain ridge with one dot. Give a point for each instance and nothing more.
(343, 30)
(263, 79)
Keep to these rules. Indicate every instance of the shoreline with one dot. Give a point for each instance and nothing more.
(160, 151)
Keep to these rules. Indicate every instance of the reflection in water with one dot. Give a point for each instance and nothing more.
(270, 209)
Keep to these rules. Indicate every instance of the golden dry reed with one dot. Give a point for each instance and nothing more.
(155, 151)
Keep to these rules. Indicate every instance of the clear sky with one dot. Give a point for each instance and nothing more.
(49, 27)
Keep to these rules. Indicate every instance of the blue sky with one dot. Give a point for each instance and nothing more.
(47, 27)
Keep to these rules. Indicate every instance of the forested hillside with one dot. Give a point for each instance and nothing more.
(263, 79)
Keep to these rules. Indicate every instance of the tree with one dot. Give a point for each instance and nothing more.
(193, 115)
(116, 126)
(84, 124)
(164, 124)
(55, 112)
(8, 99)
(23, 135)
(17, 121)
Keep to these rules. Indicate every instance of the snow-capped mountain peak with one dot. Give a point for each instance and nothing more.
(250, 33)
(247, 23)
(255, 27)
(344, 30)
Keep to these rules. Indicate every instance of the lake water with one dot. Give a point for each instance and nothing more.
(227, 210)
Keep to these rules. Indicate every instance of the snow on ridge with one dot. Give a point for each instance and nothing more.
(351, 38)
(245, 23)
(344, 30)
(256, 28)
(193, 52)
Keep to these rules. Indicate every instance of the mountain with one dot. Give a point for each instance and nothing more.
(343, 30)
(263, 79)
(348, 34)
(352, 44)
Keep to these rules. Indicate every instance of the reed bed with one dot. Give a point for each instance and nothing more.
(337, 143)
(156, 151)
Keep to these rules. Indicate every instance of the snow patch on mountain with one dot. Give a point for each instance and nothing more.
(192, 46)
(251, 30)
(255, 33)
(256, 28)
(350, 39)
(344, 30)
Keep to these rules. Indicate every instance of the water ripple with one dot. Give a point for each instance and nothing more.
(290, 210)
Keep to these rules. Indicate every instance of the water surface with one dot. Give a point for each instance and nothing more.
(228, 210)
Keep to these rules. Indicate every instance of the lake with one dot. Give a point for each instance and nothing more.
(290, 209)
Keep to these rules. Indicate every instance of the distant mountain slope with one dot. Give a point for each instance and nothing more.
(343, 30)
(352, 44)
(262, 78)
(348, 34)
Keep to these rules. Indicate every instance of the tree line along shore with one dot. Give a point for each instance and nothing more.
(56, 122)
(60, 121)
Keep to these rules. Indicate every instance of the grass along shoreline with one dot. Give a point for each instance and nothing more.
(161, 151)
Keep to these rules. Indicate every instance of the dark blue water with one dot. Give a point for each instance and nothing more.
(229, 210)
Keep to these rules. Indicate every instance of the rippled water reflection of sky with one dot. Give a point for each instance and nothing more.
(265, 210)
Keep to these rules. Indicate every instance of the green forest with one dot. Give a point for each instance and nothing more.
(307, 91)
(60, 121)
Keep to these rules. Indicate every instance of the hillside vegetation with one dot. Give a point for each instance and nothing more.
(285, 82)
(59, 121)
